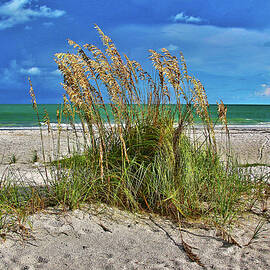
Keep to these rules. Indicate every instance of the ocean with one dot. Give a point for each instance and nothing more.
(23, 115)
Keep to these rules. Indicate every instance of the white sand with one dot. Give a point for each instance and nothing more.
(80, 240)
(77, 240)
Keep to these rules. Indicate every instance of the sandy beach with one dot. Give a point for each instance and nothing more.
(99, 237)
(249, 145)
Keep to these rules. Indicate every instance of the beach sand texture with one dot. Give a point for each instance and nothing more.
(106, 238)
(85, 240)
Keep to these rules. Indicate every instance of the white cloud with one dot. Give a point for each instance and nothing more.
(31, 71)
(10, 74)
(56, 72)
(48, 24)
(181, 17)
(209, 49)
(17, 12)
(265, 92)
(14, 75)
(221, 51)
(172, 47)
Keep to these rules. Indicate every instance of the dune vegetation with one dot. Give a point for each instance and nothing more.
(138, 151)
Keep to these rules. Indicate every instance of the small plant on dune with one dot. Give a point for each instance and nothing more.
(34, 156)
(259, 229)
(17, 202)
(13, 159)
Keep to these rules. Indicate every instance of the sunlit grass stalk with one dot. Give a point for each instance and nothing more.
(35, 107)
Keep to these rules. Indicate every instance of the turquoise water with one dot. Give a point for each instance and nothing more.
(23, 115)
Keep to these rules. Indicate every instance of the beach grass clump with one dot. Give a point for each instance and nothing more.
(17, 202)
(138, 152)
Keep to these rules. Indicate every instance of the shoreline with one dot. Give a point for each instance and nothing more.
(54, 126)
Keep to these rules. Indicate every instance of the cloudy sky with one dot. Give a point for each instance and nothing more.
(226, 43)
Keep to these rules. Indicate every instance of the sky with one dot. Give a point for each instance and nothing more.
(226, 43)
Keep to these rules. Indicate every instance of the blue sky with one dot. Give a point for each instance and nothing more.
(226, 43)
